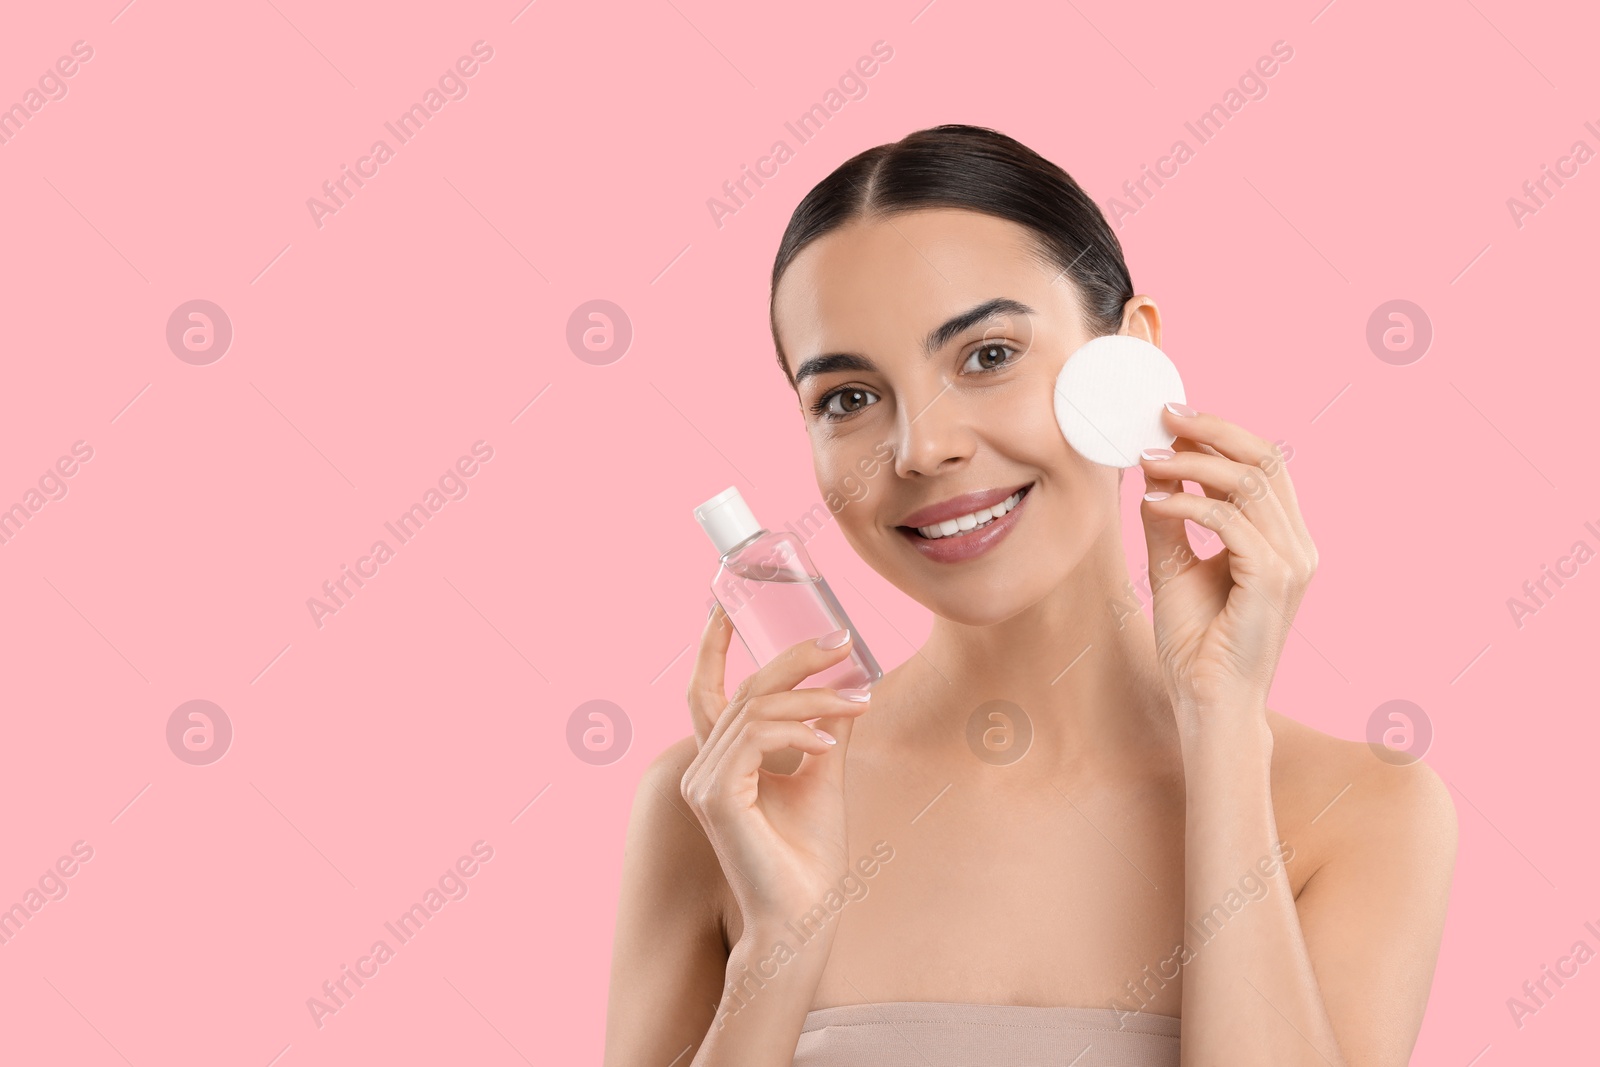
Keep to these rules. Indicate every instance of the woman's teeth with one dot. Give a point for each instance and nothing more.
(970, 521)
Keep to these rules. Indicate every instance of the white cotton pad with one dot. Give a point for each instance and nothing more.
(1109, 396)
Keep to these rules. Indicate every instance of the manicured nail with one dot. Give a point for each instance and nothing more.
(1156, 496)
(1181, 409)
(712, 612)
(833, 640)
(826, 736)
(860, 696)
(1157, 453)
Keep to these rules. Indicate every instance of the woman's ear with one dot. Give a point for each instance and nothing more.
(1142, 319)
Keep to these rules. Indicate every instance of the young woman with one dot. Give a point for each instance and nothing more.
(1057, 830)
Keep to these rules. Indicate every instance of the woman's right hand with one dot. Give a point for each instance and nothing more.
(779, 837)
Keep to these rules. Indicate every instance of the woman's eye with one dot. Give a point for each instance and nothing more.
(991, 356)
(842, 403)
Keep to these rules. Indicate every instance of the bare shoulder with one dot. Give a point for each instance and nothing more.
(668, 846)
(1339, 801)
(669, 953)
(1372, 887)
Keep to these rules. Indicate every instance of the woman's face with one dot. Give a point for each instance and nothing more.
(926, 347)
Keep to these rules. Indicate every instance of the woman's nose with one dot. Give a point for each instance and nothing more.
(931, 434)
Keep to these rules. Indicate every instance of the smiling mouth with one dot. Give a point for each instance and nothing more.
(970, 522)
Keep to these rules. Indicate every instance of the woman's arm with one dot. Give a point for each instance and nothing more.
(1373, 915)
(1343, 978)
(716, 840)
(668, 958)
(670, 1001)
(1341, 975)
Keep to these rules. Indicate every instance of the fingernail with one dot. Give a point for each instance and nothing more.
(833, 640)
(860, 696)
(1156, 496)
(1157, 453)
(826, 736)
(1181, 409)
(712, 612)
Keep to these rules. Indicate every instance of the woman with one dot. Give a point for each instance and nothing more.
(821, 877)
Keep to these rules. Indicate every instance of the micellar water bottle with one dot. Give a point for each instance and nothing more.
(774, 594)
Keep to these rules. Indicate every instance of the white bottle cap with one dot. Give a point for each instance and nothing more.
(727, 519)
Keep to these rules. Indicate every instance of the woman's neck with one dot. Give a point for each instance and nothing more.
(1081, 664)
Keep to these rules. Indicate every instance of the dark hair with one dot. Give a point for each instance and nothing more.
(982, 170)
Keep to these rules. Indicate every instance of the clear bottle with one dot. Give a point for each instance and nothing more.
(774, 593)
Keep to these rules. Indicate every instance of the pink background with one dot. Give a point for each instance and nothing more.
(368, 354)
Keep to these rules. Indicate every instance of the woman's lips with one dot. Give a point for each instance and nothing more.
(969, 543)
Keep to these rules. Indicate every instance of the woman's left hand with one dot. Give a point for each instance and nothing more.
(1221, 623)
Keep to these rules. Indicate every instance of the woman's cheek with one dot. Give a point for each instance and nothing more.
(851, 488)
(839, 486)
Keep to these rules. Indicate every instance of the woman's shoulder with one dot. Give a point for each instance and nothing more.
(1338, 800)
(670, 764)
(674, 852)
(659, 807)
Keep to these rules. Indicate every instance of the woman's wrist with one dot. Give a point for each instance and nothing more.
(788, 957)
(769, 946)
(768, 987)
(1224, 742)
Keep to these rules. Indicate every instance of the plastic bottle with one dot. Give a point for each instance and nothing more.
(774, 594)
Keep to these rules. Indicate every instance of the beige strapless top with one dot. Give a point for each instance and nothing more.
(933, 1034)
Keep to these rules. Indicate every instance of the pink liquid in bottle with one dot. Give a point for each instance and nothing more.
(774, 594)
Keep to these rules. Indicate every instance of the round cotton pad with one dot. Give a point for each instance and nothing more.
(1109, 396)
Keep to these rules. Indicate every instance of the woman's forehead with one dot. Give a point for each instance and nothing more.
(880, 278)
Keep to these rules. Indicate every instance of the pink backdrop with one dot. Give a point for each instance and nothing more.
(377, 340)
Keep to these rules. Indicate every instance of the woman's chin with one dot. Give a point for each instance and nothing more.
(967, 618)
(979, 605)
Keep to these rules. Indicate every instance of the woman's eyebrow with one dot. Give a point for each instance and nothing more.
(998, 306)
(936, 339)
(835, 361)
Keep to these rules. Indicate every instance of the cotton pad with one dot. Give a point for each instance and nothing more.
(1109, 396)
